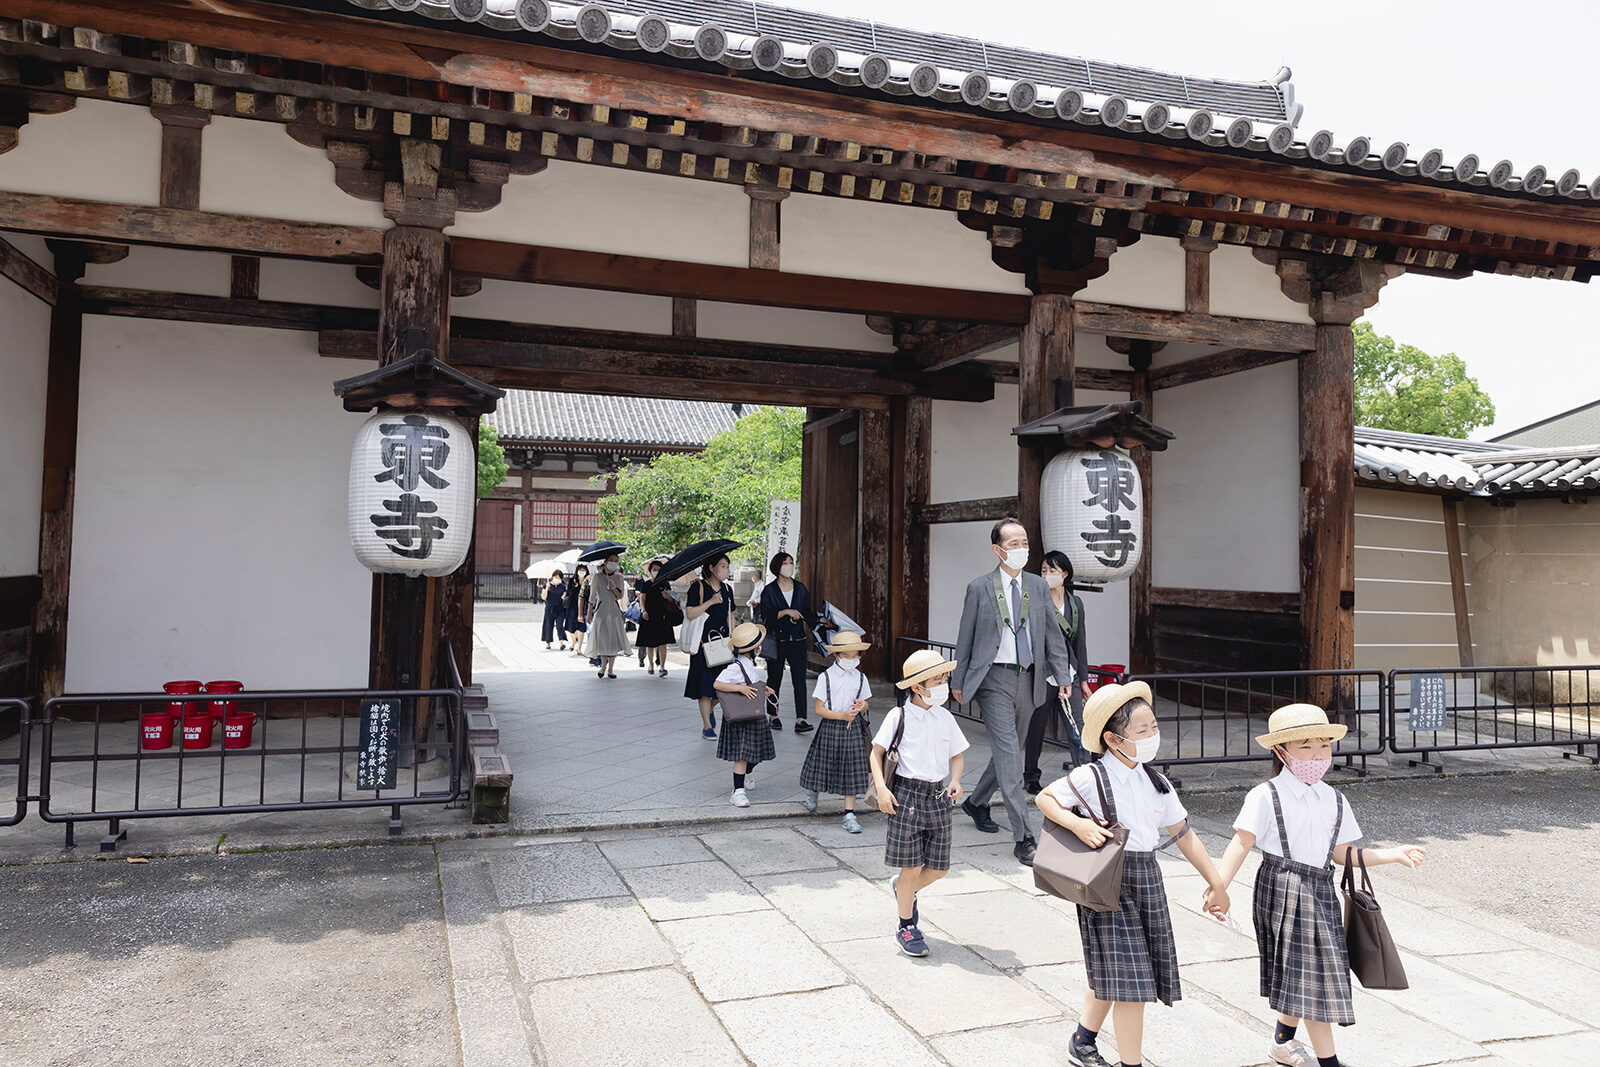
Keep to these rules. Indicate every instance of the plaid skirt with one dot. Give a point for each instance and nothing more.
(837, 760)
(1305, 967)
(750, 741)
(919, 830)
(1130, 954)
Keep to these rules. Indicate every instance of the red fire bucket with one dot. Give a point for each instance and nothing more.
(237, 729)
(197, 730)
(221, 709)
(155, 729)
(182, 707)
(1097, 680)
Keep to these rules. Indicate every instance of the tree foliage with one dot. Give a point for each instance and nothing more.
(1401, 387)
(491, 459)
(721, 492)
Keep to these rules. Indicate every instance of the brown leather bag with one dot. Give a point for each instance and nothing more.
(736, 707)
(1067, 868)
(1373, 956)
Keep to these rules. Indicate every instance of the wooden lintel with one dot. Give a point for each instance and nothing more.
(1227, 599)
(685, 317)
(1228, 361)
(573, 496)
(26, 273)
(1262, 334)
(244, 281)
(960, 347)
(988, 509)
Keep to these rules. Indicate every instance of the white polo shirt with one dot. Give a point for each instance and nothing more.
(1308, 814)
(1144, 811)
(731, 675)
(845, 687)
(932, 739)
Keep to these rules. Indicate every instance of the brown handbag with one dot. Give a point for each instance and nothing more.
(1373, 956)
(1067, 868)
(736, 707)
(891, 763)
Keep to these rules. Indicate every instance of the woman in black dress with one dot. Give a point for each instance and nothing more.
(711, 597)
(555, 610)
(786, 613)
(655, 626)
(577, 605)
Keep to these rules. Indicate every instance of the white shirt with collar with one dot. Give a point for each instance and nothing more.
(1007, 652)
(750, 675)
(932, 739)
(1144, 811)
(845, 687)
(1308, 816)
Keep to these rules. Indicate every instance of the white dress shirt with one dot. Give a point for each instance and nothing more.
(1145, 812)
(1007, 652)
(931, 740)
(846, 687)
(1308, 815)
(751, 675)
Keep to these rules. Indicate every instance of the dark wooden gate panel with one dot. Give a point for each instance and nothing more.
(494, 536)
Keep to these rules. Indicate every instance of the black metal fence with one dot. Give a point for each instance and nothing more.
(1478, 708)
(14, 761)
(504, 587)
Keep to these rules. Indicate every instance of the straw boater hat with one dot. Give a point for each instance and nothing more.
(845, 641)
(747, 635)
(922, 665)
(1102, 704)
(1296, 722)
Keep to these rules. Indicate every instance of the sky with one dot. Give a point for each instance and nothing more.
(1463, 76)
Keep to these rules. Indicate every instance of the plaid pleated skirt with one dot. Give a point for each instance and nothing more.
(1130, 953)
(1305, 967)
(837, 760)
(750, 740)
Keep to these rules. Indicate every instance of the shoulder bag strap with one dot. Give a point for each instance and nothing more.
(1087, 810)
(1338, 822)
(899, 732)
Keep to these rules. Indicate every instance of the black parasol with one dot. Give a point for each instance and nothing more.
(600, 550)
(695, 555)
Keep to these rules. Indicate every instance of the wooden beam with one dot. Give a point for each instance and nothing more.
(1151, 325)
(1197, 275)
(875, 486)
(1103, 378)
(685, 317)
(765, 229)
(26, 273)
(1141, 642)
(1228, 361)
(989, 509)
(181, 130)
(571, 496)
(1226, 599)
(961, 347)
(1045, 382)
(1458, 581)
(244, 282)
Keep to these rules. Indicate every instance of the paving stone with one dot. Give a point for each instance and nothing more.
(950, 990)
(543, 874)
(1063, 982)
(1192, 1034)
(688, 890)
(634, 1019)
(1034, 1043)
(998, 860)
(839, 1027)
(836, 905)
(1007, 928)
(1557, 984)
(1201, 939)
(1569, 1050)
(583, 937)
(767, 851)
(477, 947)
(490, 1025)
(756, 954)
(655, 851)
(867, 861)
(1427, 932)
(1476, 1011)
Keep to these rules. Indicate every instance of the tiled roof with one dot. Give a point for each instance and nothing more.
(582, 418)
(1477, 468)
(1574, 427)
(1239, 116)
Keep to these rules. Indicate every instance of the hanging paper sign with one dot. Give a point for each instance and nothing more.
(378, 758)
(413, 489)
(783, 527)
(1427, 703)
(1090, 509)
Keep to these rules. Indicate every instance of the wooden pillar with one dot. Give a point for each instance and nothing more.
(876, 493)
(47, 661)
(1327, 499)
(912, 426)
(1141, 630)
(765, 232)
(1458, 580)
(1044, 383)
(181, 130)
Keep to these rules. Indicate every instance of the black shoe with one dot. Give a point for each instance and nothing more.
(803, 727)
(980, 818)
(1025, 849)
(1085, 1054)
(775, 722)
(1033, 786)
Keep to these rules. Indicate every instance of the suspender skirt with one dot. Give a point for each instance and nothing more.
(1130, 953)
(1305, 967)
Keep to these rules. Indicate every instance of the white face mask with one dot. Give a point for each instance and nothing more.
(1055, 580)
(848, 664)
(1144, 749)
(611, 568)
(1017, 558)
(937, 695)
(787, 570)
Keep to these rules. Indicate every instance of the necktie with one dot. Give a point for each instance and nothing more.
(1024, 645)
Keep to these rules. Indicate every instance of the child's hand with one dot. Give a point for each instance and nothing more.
(954, 792)
(747, 690)
(1217, 902)
(770, 692)
(1406, 855)
(1091, 833)
(886, 802)
(858, 706)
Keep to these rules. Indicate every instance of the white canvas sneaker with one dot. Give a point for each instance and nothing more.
(739, 800)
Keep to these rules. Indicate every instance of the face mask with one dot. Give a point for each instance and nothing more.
(937, 695)
(848, 664)
(611, 568)
(1144, 749)
(655, 574)
(1309, 771)
(787, 570)
(1055, 580)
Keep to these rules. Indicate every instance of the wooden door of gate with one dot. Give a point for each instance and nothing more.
(829, 521)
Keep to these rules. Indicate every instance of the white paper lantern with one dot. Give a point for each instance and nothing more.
(1090, 509)
(413, 490)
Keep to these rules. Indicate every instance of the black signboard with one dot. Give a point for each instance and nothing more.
(378, 761)
(1427, 703)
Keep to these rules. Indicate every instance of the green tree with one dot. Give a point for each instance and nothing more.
(721, 492)
(491, 459)
(1401, 387)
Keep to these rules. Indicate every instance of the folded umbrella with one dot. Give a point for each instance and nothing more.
(600, 550)
(696, 555)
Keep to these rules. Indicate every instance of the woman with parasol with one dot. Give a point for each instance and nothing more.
(608, 633)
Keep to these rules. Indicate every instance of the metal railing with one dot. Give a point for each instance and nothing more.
(1479, 708)
(503, 587)
(15, 765)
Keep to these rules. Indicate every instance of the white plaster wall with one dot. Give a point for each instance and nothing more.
(300, 281)
(1146, 274)
(1243, 286)
(957, 553)
(581, 205)
(24, 361)
(789, 326)
(34, 248)
(974, 454)
(554, 305)
(888, 243)
(209, 535)
(171, 270)
(253, 167)
(1227, 489)
(97, 151)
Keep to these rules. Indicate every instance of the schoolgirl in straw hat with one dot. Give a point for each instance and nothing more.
(1130, 954)
(749, 741)
(837, 761)
(1303, 826)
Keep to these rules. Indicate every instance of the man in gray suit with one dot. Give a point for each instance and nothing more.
(1008, 643)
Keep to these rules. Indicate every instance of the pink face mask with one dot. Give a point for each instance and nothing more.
(1309, 771)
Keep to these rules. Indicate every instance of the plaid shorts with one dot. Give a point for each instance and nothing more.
(919, 829)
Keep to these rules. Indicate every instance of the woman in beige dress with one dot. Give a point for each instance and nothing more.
(608, 632)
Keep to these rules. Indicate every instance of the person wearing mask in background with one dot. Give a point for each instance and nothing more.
(655, 626)
(785, 611)
(577, 607)
(712, 597)
(608, 633)
(555, 610)
(1057, 571)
